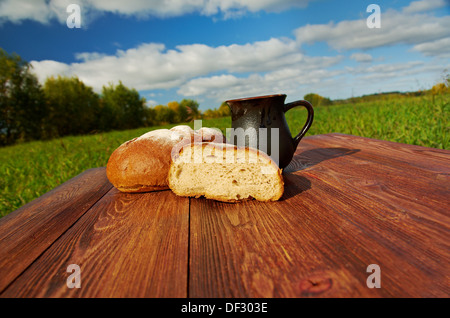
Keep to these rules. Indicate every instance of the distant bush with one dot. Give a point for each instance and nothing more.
(73, 107)
(317, 100)
(121, 108)
(439, 89)
(223, 111)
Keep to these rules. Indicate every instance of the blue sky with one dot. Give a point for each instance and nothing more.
(214, 50)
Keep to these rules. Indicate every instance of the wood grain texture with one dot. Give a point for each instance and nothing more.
(30, 230)
(429, 159)
(127, 245)
(349, 202)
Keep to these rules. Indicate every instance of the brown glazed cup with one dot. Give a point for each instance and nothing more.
(259, 122)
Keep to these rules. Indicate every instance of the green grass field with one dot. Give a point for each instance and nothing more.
(31, 169)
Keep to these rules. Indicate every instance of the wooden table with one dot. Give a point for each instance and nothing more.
(349, 202)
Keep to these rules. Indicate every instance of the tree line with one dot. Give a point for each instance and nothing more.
(66, 106)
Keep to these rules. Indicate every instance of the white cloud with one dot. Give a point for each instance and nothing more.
(89, 56)
(47, 68)
(272, 65)
(411, 75)
(152, 66)
(424, 5)
(361, 57)
(230, 8)
(383, 71)
(44, 11)
(203, 85)
(288, 79)
(16, 11)
(439, 47)
(277, 65)
(396, 28)
(151, 102)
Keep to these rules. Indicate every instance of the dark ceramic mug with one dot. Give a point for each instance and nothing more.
(259, 122)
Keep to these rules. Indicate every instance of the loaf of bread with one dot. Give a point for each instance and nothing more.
(225, 172)
(142, 164)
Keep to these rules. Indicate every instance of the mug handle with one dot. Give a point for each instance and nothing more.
(309, 120)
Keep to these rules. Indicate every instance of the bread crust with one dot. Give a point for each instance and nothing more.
(142, 164)
(138, 165)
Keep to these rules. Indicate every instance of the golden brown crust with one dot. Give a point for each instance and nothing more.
(206, 134)
(142, 164)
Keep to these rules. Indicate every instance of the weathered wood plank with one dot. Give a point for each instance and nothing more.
(344, 208)
(268, 250)
(127, 245)
(349, 202)
(30, 230)
(424, 158)
(410, 185)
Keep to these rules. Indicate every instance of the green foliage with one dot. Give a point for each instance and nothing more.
(439, 89)
(22, 107)
(380, 97)
(180, 112)
(192, 109)
(164, 114)
(121, 108)
(223, 111)
(415, 120)
(317, 100)
(176, 112)
(74, 107)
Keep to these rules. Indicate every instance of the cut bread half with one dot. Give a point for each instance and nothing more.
(225, 172)
(142, 164)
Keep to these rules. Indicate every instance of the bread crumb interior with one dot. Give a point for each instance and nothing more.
(222, 179)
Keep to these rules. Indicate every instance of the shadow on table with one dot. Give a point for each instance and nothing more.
(312, 157)
(295, 184)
